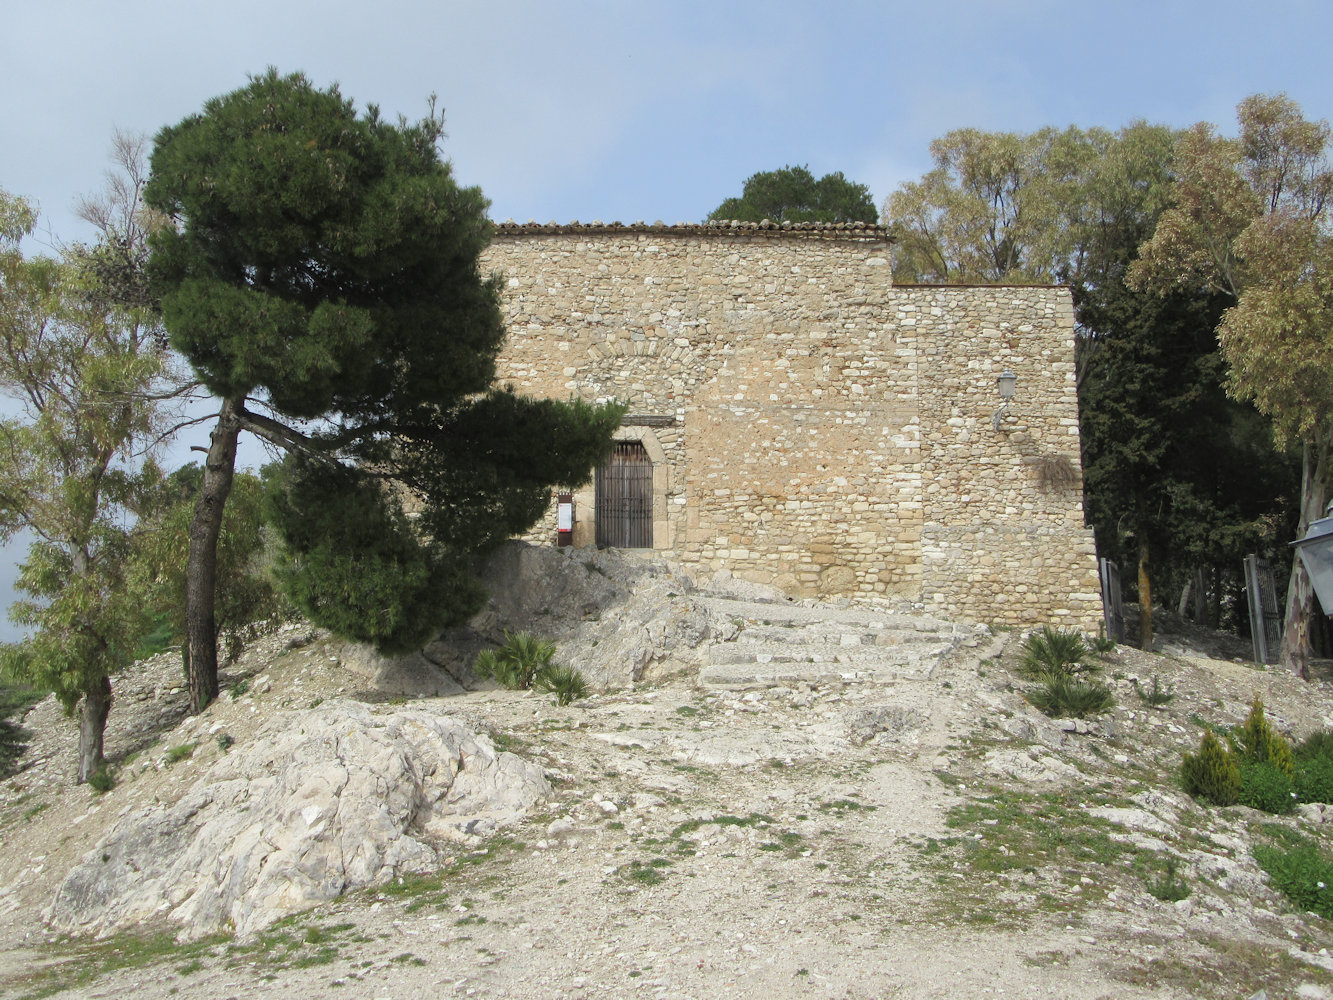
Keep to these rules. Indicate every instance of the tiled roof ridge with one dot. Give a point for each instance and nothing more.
(713, 227)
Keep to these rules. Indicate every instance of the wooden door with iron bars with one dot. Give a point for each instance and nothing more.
(625, 498)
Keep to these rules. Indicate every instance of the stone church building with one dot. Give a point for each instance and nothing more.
(796, 418)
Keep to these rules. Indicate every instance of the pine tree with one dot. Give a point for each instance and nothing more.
(322, 279)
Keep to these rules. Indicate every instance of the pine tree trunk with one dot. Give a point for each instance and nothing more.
(1145, 597)
(201, 639)
(93, 712)
(1297, 646)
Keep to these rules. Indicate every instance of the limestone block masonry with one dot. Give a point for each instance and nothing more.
(809, 424)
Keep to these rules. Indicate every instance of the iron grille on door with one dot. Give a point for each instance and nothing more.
(625, 498)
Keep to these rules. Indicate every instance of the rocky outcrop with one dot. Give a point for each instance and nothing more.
(322, 802)
(618, 619)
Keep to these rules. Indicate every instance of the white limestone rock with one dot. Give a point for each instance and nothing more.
(322, 802)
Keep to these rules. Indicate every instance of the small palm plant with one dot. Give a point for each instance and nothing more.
(524, 661)
(1054, 651)
(1055, 658)
(566, 683)
(517, 662)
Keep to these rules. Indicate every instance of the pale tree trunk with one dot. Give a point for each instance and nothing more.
(1145, 596)
(93, 712)
(1296, 644)
(201, 641)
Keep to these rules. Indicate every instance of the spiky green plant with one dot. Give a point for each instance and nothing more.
(516, 663)
(1062, 695)
(566, 683)
(1054, 651)
(1155, 696)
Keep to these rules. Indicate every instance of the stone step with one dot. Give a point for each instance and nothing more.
(811, 643)
(770, 652)
(836, 634)
(753, 674)
(862, 616)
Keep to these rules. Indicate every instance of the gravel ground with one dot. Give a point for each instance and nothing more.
(934, 837)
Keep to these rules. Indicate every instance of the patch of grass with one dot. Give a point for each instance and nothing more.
(1299, 870)
(74, 963)
(1169, 887)
(1014, 842)
(754, 819)
(32, 811)
(641, 873)
(686, 710)
(1231, 968)
(102, 780)
(1155, 696)
(324, 956)
(180, 752)
(239, 689)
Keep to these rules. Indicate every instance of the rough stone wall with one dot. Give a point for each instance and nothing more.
(812, 426)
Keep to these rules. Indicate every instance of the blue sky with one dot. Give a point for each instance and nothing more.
(648, 110)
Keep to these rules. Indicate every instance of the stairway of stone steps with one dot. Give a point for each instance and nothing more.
(779, 643)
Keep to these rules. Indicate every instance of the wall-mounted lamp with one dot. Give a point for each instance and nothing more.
(1005, 383)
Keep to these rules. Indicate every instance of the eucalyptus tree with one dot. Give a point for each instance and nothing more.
(83, 371)
(1250, 220)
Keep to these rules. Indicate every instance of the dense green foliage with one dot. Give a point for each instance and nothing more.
(793, 195)
(1063, 696)
(523, 661)
(517, 662)
(1314, 779)
(15, 700)
(324, 267)
(1249, 220)
(1259, 743)
(565, 682)
(1266, 788)
(1300, 871)
(353, 562)
(996, 207)
(1257, 768)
